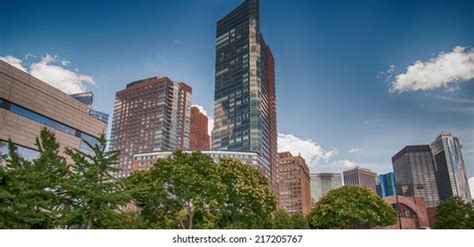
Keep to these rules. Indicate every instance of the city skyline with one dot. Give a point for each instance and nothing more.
(345, 116)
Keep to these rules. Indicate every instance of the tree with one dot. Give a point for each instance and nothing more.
(31, 191)
(298, 221)
(454, 213)
(95, 196)
(351, 207)
(249, 202)
(282, 219)
(183, 191)
(285, 220)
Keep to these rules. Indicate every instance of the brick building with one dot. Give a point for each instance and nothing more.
(294, 184)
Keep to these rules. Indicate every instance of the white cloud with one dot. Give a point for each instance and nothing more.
(310, 150)
(60, 77)
(456, 100)
(210, 125)
(445, 70)
(388, 74)
(13, 61)
(52, 70)
(354, 150)
(471, 186)
(347, 164)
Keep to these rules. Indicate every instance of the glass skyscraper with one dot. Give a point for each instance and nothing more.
(414, 173)
(450, 171)
(386, 185)
(322, 183)
(244, 100)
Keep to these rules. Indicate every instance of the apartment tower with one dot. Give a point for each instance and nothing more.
(150, 115)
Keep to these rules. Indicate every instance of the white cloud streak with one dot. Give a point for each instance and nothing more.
(14, 61)
(445, 70)
(310, 150)
(53, 71)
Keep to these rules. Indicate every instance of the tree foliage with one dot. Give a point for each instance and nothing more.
(191, 191)
(248, 200)
(454, 213)
(183, 191)
(285, 220)
(351, 208)
(31, 192)
(93, 193)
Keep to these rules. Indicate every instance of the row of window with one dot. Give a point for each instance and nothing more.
(47, 121)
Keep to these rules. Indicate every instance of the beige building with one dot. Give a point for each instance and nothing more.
(295, 195)
(361, 177)
(27, 105)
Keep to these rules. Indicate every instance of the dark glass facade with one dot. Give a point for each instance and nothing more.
(414, 173)
(245, 108)
(386, 184)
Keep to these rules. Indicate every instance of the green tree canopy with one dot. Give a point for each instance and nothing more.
(31, 192)
(281, 219)
(183, 191)
(351, 207)
(454, 213)
(249, 202)
(94, 195)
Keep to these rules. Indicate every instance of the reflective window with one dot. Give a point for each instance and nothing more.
(26, 153)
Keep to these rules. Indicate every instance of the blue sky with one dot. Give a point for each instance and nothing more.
(333, 65)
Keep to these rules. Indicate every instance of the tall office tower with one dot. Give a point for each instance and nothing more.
(450, 171)
(152, 114)
(322, 183)
(386, 184)
(88, 99)
(28, 105)
(245, 101)
(199, 136)
(295, 195)
(360, 177)
(414, 173)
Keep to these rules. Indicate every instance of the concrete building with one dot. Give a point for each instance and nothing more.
(245, 98)
(414, 173)
(147, 160)
(386, 184)
(28, 104)
(199, 135)
(450, 170)
(360, 177)
(322, 183)
(295, 195)
(150, 115)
